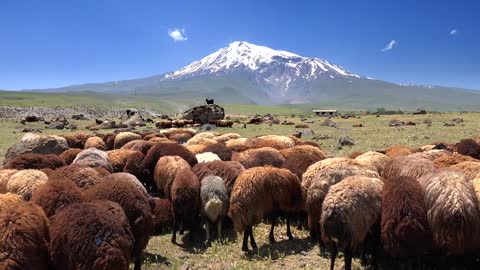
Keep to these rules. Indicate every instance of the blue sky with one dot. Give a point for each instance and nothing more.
(54, 43)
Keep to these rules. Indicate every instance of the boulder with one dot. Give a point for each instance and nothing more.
(134, 120)
(329, 123)
(37, 144)
(56, 125)
(345, 140)
(205, 113)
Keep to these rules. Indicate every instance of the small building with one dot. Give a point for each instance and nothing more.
(325, 113)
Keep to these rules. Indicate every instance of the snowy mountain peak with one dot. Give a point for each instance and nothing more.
(241, 55)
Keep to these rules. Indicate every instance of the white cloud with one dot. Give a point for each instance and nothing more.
(390, 45)
(453, 32)
(177, 34)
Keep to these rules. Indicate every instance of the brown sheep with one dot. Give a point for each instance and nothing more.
(196, 148)
(165, 172)
(182, 137)
(220, 149)
(201, 139)
(25, 182)
(162, 140)
(432, 154)
(56, 194)
(5, 175)
(275, 141)
(24, 237)
(265, 156)
(404, 226)
(455, 158)
(152, 135)
(469, 168)
(109, 140)
(136, 206)
(227, 170)
(313, 169)
(299, 158)
(468, 147)
(139, 145)
(240, 144)
(9, 200)
(226, 137)
(185, 193)
(76, 139)
(167, 149)
(124, 137)
(260, 193)
(118, 158)
(355, 154)
(164, 124)
(95, 142)
(162, 216)
(35, 161)
(106, 243)
(83, 177)
(408, 167)
(70, 155)
(349, 212)
(453, 212)
(398, 150)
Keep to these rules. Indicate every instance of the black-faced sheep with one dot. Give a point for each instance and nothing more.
(162, 215)
(265, 156)
(94, 158)
(299, 158)
(215, 202)
(95, 142)
(24, 237)
(106, 243)
(220, 150)
(349, 212)
(124, 137)
(185, 194)
(260, 193)
(468, 147)
(165, 172)
(404, 227)
(452, 212)
(70, 155)
(408, 166)
(35, 161)
(227, 170)
(136, 206)
(25, 182)
(83, 177)
(56, 194)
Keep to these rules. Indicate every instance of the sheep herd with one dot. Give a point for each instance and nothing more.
(96, 204)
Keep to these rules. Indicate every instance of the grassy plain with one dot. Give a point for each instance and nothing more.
(376, 134)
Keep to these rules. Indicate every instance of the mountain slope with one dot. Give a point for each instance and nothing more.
(251, 74)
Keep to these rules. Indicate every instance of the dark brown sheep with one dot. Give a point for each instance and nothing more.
(109, 140)
(139, 145)
(299, 158)
(77, 139)
(455, 158)
(167, 149)
(56, 194)
(227, 170)
(24, 237)
(180, 137)
(220, 150)
(185, 194)
(152, 135)
(468, 147)
(398, 150)
(136, 206)
(260, 193)
(162, 216)
(35, 161)
(408, 166)
(83, 177)
(106, 243)
(404, 226)
(70, 155)
(265, 156)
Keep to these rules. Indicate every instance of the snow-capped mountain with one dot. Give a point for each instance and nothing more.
(274, 70)
(250, 74)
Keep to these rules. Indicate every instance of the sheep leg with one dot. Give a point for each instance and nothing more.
(289, 232)
(333, 256)
(219, 229)
(348, 259)
(245, 240)
(207, 230)
(174, 233)
(252, 239)
(138, 262)
(271, 236)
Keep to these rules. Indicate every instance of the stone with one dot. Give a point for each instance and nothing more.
(329, 123)
(204, 113)
(345, 140)
(37, 144)
(56, 125)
